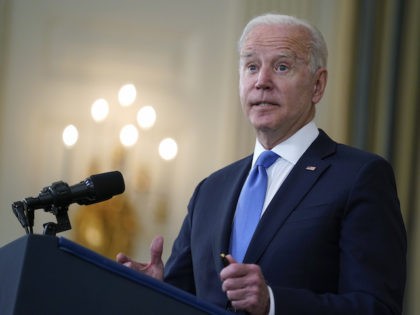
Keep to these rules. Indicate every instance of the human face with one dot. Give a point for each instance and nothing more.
(277, 88)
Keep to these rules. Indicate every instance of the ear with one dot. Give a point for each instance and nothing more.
(320, 81)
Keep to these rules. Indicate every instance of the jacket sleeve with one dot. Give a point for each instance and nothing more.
(179, 267)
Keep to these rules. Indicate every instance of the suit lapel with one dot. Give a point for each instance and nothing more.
(297, 184)
(226, 206)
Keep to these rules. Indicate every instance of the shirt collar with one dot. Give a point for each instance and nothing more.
(293, 147)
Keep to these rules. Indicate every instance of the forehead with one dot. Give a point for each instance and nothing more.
(287, 39)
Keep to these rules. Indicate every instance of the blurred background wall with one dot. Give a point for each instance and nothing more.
(58, 57)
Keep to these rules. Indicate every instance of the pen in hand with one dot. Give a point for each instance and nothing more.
(225, 261)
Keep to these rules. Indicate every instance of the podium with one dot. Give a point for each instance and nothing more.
(42, 274)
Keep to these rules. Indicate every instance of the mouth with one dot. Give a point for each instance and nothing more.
(263, 104)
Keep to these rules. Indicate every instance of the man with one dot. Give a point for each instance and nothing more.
(330, 239)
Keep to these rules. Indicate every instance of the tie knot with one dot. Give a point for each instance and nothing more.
(266, 159)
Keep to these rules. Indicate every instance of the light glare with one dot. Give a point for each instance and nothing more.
(99, 110)
(129, 135)
(127, 95)
(146, 117)
(70, 136)
(168, 149)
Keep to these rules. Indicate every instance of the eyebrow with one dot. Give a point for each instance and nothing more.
(246, 54)
(282, 55)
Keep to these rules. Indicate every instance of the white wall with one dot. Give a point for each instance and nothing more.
(61, 56)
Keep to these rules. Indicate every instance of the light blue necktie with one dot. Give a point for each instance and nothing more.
(250, 204)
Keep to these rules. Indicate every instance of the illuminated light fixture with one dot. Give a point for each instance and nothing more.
(168, 149)
(70, 136)
(99, 110)
(129, 135)
(94, 236)
(146, 117)
(127, 95)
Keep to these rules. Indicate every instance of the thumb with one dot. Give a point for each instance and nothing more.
(156, 249)
(231, 259)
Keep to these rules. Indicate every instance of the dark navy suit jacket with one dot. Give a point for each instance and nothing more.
(332, 240)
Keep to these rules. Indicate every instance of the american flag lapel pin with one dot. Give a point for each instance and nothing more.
(311, 168)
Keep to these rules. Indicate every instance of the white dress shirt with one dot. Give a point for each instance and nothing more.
(290, 151)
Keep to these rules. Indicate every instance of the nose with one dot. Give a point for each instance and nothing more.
(264, 81)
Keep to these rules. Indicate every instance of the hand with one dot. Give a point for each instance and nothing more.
(245, 287)
(154, 268)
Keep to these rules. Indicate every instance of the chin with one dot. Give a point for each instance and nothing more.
(264, 123)
(263, 127)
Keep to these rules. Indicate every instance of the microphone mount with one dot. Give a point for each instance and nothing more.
(57, 198)
(25, 210)
(59, 209)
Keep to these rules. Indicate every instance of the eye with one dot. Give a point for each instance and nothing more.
(282, 68)
(252, 67)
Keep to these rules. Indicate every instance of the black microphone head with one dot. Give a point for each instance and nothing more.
(107, 185)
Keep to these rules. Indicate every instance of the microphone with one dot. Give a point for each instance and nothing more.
(96, 188)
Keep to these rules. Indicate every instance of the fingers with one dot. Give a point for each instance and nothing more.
(128, 262)
(156, 249)
(122, 258)
(245, 287)
(234, 270)
(154, 268)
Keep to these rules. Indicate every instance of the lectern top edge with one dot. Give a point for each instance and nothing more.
(144, 280)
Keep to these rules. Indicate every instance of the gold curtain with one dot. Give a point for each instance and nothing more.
(405, 151)
(385, 110)
(385, 82)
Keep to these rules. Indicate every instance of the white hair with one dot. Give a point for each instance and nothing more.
(318, 48)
